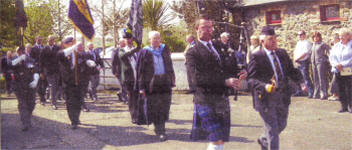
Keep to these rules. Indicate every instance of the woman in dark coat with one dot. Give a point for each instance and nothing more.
(156, 77)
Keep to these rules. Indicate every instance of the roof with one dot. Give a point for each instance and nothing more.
(263, 2)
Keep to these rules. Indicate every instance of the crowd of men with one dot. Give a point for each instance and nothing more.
(214, 72)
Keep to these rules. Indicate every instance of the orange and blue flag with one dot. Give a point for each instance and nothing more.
(79, 14)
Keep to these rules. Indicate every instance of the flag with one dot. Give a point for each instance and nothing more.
(79, 14)
(135, 21)
(21, 17)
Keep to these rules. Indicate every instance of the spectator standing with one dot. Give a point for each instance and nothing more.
(334, 88)
(301, 56)
(320, 65)
(341, 61)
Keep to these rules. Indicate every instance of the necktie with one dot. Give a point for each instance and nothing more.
(277, 68)
(213, 53)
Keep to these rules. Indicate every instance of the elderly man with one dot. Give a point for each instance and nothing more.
(255, 46)
(26, 80)
(211, 83)
(128, 61)
(301, 56)
(341, 63)
(95, 71)
(48, 67)
(155, 78)
(268, 74)
(73, 65)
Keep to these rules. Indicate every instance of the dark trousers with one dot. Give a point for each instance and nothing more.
(304, 68)
(275, 120)
(94, 83)
(73, 102)
(345, 90)
(8, 83)
(132, 101)
(26, 102)
(42, 85)
(53, 86)
(159, 101)
(320, 78)
(84, 91)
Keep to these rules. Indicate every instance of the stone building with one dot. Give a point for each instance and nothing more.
(290, 16)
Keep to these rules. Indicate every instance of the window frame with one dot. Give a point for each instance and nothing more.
(323, 15)
(268, 16)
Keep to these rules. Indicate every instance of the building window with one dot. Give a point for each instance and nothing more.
(330, 12)
(273, 17)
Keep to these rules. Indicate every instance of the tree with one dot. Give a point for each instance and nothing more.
(187, 11)
(8, 32)
(155, 14)
(40, 21)
(111, 20)
(62, 25)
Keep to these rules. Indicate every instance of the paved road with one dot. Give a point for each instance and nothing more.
(312, 125)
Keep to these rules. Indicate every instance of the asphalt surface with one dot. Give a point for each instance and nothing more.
(312, 125)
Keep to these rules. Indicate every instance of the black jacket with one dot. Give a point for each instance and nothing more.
(48, 63)
(67, 70)
(209, 77)
(260, 73)
(145, 70)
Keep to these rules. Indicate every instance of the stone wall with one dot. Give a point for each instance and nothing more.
(298, 16)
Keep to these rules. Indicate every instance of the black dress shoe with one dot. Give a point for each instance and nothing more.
(162, 137)
(54, 107)
(261, 145)
(343, 110)
(85, 109)
(74, 127)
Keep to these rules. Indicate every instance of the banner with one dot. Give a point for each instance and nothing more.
(135, 21)
(79, 14)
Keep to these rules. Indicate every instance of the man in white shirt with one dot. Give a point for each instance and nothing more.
(301, 57)
(341, 61)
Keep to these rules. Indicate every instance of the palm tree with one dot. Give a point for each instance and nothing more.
(155, 14)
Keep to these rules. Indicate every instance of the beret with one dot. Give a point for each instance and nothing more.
(267, 30)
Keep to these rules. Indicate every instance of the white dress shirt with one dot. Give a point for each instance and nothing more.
(341, 54)
(302, 47)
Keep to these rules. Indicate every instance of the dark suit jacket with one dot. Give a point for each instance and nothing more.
(208, 76)
(35, 53)
(68, 73)
(48, 63)
(260, 72)
(145, 69)
(98, 61)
